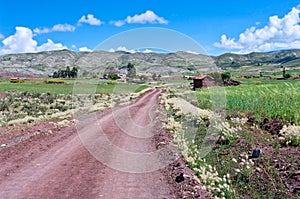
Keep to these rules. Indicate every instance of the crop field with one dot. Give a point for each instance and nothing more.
(35, 100)
(85, 86)
(259, 115)
(269, 99)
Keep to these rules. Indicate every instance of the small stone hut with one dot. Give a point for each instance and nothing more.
(203, 81)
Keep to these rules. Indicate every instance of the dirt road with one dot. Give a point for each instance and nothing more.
(114, 154)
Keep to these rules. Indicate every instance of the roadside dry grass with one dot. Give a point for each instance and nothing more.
(228, 171)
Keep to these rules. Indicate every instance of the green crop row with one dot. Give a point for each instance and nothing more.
(269, 100)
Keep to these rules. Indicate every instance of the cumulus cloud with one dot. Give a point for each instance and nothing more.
(84, 49)
(144, 18)
(147, 17)
(279, 33)
(91, 20)
(147, 51)
(50, 45)
(122, 48)
(55, 28)
(22, 42)
(1, 36)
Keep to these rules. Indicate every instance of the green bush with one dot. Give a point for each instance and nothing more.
(111, 83)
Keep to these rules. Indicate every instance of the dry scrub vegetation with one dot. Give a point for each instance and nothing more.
(27, 107)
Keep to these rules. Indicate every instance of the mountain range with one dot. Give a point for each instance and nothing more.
(45, 63)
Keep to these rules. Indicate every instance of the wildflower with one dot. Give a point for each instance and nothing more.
(228, 176)
(237, 170)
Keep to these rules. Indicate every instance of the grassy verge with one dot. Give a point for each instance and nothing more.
(227, 169)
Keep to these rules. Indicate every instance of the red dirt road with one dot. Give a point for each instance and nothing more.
(109, 155)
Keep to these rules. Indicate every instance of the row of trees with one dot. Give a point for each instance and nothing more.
(67, 73)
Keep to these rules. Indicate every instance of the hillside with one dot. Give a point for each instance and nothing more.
(286, 57)
(45, 63)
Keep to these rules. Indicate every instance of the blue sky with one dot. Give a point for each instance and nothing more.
(218, 26)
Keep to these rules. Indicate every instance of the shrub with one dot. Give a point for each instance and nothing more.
(287, 76)
(111, 83)
(113, 76)
(17, 81)
(54, 81)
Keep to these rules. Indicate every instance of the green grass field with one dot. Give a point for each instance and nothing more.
(270, 99)
(82, 86)
(264, 99)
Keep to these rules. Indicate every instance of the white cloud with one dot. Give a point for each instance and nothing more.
(41, 30)
(50, 45)
(63, 28)
(90, 19)
(22, 42)
(279, 33)
(192, 52)
(74, 46)
(55, 28)
(122, 48)
(228, 43)
(147, 51)
(144, 18)
(147, 17)
(118, 23)
(1, 36)
(84, 49)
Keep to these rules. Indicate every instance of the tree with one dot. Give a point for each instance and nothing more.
(113, 76)
(74, 72)
(63, 74)
(59, 73)
(158, 77)
(131, 71)
(55, 75)
(154, 76)
(225, 76)
(68, 72)
(287, 76)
